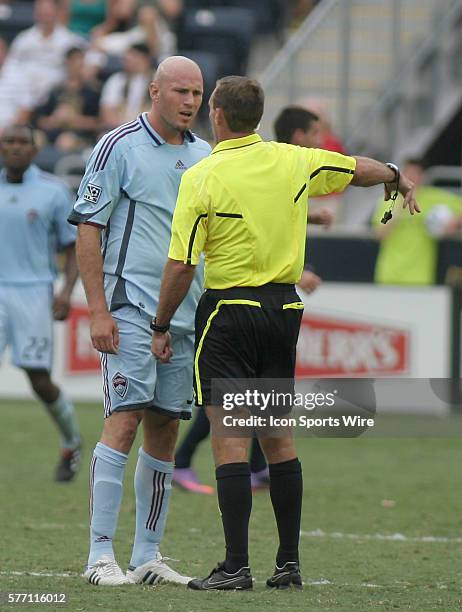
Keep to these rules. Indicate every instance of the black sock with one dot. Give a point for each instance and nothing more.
(235, 501)
(286, 490)
(198, 430)
(257, 458)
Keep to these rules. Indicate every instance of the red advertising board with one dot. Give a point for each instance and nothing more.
(81, 356)
(338, 347)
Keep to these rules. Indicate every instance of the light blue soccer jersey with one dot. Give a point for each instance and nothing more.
(33, 226)
(130, 189)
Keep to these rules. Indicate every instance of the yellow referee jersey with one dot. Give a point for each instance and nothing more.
(246, 207)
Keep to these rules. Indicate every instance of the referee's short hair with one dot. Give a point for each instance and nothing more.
(242, 100)
(290, 119)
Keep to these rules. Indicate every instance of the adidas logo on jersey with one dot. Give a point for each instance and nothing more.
(180, 165)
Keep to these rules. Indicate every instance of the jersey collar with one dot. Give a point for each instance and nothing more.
(237, 143)
(155, 136)
(30, 174)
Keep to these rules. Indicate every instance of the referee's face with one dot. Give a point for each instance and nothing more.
(178, 99)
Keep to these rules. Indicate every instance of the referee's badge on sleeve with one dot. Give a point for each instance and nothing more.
(92, 193)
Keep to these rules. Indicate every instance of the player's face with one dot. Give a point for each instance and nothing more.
(312, 136)
(17, 148)
(178, 100)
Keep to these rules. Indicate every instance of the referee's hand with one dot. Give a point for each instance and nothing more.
(104, 333)
(161, 346)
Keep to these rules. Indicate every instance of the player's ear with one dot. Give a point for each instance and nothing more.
(154, 91)
(298, 136)
(220, 118)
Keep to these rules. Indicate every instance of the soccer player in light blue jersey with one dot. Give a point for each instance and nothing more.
(124, 213)
(34, 207)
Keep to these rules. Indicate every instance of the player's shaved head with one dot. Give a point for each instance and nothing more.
(176, 93)
(175, 67)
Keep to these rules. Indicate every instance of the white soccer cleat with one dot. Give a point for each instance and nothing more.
(106, 572)
(156, 571)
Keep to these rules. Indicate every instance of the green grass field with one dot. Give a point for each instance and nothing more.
(346, 563)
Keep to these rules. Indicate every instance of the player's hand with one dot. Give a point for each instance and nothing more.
(61, 306)
(322, 216)
(407, 190)
(309, 281)
(104, 333)
(161, 346)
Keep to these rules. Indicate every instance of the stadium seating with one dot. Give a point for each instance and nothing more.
(225, 31)
(15, 17)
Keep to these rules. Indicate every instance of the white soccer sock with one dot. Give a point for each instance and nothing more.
(153, 487)
(63, 414)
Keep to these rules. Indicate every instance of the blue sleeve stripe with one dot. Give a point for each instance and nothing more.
(114, 142)
(108, 141)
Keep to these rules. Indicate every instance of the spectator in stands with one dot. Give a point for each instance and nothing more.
(70, 115)
(126, 94)
(85, 17)
(15, 95)
(298, 126)
(408, 251)
(149, 28)
(37, 54)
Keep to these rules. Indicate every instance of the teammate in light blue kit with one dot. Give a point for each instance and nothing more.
(124, 212)
(33, 209)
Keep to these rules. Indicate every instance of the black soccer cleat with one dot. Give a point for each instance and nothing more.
(286, 576)
(220, 580)
(68, 465)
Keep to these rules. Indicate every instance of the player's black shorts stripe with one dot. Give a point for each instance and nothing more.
(299, 193)
(126, 238)
(332, 169)
(193, 235)
(229, 215)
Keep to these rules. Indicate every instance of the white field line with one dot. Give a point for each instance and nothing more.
(320, 582)
(40, 574)
(393, 537)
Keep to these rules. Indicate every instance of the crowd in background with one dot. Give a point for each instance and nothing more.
(82, 67)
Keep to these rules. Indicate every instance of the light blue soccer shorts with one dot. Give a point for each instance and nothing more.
(134, 380)
(26, 324)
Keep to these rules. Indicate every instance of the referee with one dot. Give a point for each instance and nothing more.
(246, 207)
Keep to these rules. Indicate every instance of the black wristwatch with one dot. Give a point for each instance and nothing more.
(162, 329)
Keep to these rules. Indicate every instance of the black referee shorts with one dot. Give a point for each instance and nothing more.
(245, 332)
